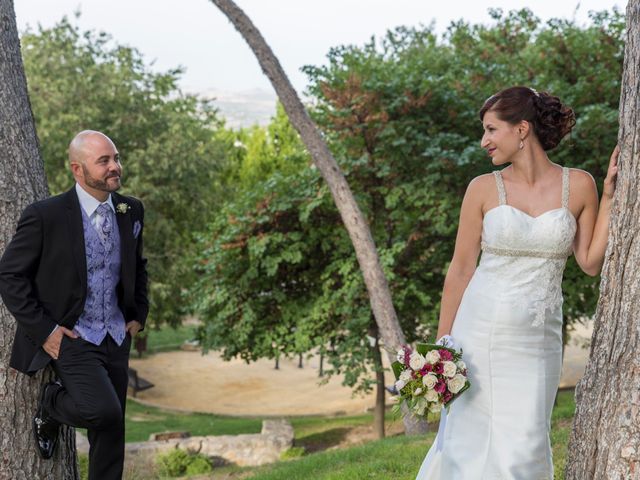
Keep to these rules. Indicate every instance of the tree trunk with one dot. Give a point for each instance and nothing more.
(22, 181)
(379, 410)
(354, 221)
(605, 441)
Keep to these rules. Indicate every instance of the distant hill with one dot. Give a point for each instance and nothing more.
(243, 108)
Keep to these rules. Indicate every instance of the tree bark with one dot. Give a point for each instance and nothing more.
(353, 219)
(605, 441)
(22, 181)
(379, 410)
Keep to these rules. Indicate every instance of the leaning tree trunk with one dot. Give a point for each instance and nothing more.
(379, 410)
(354, 221)
(605, 442)
(22, 181)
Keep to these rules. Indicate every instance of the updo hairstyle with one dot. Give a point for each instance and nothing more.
(550, 119)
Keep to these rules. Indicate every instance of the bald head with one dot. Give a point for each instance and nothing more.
(85, 142)
(95, 163)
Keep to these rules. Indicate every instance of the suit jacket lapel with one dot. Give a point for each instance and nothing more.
(127, 247)
(76, 233)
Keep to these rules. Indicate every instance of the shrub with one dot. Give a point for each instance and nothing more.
(177, 463)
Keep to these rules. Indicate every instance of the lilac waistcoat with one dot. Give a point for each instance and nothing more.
(101, 313)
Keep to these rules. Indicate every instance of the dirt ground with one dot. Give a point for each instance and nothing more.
(190, 381)
(187, 380)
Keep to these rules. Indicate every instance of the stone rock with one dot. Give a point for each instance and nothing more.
(168, 436)
(244, 450)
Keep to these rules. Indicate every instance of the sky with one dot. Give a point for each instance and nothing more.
(197, 36)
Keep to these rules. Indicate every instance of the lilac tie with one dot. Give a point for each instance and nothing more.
(105, 224)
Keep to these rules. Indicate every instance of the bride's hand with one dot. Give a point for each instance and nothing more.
(612, 172)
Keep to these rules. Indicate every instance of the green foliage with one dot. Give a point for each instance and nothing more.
(279, 275)
(173, 146)
(270, 149)
(177, 463)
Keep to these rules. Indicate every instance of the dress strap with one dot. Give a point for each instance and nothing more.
(565, 187)
(502, 194)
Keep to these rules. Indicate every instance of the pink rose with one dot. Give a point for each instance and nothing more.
(438, 368)
(447, 396)
(440, 387)
(426, 369)
(446, 355)
(407, 354)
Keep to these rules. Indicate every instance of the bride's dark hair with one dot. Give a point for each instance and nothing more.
(550, 118)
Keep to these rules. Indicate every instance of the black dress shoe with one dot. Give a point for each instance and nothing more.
(45, 428)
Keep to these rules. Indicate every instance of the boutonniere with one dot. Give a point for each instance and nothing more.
(122, 207)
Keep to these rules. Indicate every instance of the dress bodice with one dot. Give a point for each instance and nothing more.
(523, 257)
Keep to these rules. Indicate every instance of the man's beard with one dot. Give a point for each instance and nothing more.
(101, 185)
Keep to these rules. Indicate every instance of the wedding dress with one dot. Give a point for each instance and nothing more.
(509, 325)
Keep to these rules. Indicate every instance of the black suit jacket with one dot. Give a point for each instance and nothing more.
(43, 272)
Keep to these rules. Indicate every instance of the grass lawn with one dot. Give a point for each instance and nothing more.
(166, 338)
(141, 421)
(396, 457)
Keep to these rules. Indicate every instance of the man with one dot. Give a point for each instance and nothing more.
(75, 279)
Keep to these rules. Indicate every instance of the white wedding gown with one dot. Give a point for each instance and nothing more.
(509, 325)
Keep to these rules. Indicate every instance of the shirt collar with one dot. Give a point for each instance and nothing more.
(89, 203)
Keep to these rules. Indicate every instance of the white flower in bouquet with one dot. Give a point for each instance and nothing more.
(400, 356)
(449, 369)
(420, 406)
(431, 396)
(403, 379)
(416, 361)
(456, 383)
(461, 365)
(417, 392)
(432, 357)
(405, 376)
(435, 407)
(429, 381)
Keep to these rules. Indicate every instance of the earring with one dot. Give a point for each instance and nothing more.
(521, 146)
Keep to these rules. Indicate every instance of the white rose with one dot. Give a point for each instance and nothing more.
(416, 361)
(400, 384)
(431, 396)
(449, 369)
(461, 365)
(435, 407)
(456, 383)
(420, 406)
(417, 392)
(432, 356)
(429, 381)
(400, 356)
(405, 376)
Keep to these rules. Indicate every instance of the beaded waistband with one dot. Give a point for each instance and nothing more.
(508, 252)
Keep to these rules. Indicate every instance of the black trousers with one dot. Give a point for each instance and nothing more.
(93, 396)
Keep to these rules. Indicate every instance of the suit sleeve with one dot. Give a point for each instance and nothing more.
(18, 268)
(140, 295)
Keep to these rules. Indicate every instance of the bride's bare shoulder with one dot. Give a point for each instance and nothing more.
(482, 185)
(580, 179)
(482, 192)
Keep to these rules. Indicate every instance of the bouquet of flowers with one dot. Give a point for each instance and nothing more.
(429, 377)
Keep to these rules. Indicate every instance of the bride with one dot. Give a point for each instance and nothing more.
(506, 312)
